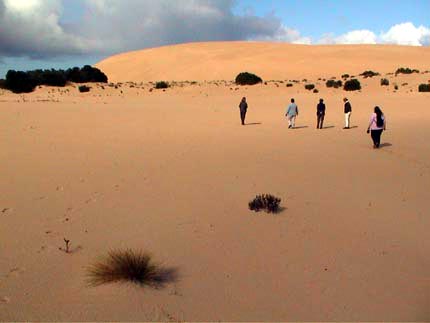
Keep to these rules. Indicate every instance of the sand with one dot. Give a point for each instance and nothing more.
(171, 172)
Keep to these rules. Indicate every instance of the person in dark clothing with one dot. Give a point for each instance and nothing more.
(347, 111)
(320, 114)
(243, 106)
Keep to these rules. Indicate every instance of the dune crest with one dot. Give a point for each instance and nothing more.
(270, 60)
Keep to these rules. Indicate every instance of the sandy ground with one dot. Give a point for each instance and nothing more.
(172, 173)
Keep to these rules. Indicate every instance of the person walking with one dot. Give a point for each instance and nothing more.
(376, 126)
(243, 107)
(320, 114)
(347, 111)
(291, 114)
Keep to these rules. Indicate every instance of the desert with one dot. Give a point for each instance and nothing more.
(171, 172)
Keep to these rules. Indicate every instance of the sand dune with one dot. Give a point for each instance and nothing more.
(271, 61)
(171, 172)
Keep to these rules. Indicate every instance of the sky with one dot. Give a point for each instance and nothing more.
(66, 33)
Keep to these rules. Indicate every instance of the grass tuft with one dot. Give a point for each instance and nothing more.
(130, 266)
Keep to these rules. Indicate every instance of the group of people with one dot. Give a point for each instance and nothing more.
(376, 125)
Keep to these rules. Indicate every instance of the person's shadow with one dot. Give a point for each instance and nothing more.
(252, 124)
(385, 144)
(301, 127)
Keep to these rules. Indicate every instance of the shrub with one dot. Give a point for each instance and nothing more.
(396, 87)
(84, 88)
(406, 70)
(130, 266)
(345, 76)
(266, 202)
(385, 82)
(24, 82)
(366, 74)
(424, 88)
(333, 83)
(289, 84)
(2, 84)
(352, 85)
(246, 78)
(161, 85)
(309, 86)
(315, 91)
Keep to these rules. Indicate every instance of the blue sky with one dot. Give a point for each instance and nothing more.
(66, 33)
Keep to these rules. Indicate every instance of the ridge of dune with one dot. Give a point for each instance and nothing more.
(270, 60)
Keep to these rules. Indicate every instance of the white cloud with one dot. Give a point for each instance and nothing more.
(407, 34)
(285, 34)
(31, 27)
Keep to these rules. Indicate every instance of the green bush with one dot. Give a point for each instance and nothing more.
(406, 70)
(424, 88)
(345, 76)
(266, 202)
(246, 78)
(385, 82)
(352, 85)
(334, 83)
(84, 88)
(367, 74)
(309, 87)
(161, 85)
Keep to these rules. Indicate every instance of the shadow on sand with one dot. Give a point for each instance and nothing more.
(301, 127)
(252, 124)
(385, 144)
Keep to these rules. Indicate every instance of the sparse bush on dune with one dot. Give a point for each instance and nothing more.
(385, 82)
(161, 85)
(315, 91)
(352, 85)
(424, 87)
(367, 74)
(2, 84)
(84, 88)
(289, 84)
(266, 202)
(334, 83)
(130, 266)
(406, 70)
(246, 78)
(309, 86)
(345, 76)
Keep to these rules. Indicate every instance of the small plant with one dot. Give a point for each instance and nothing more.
(67, 247)
(246, 78)
(333, 83)
(367, 74)
(385, 82)
(424, 88)
(406, 70)
(289, 84)
(396, 87)
(352, 85)
(84, 88)
(309, 87)
(345, 76)
(315, 91)
(130, 266)
(161, 85)
(266, 202)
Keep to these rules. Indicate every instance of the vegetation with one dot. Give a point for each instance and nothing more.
(25, 82)
(406, 70)
(315, 91)
(130, 266)
(161, 85)
(424, 88)
(345, 76)
(84, 88)
(309, 86)
(246, 78)
(333, 83)
(352, 85)
(367, 74)
(2, 84)
(289, 84)
(266, 202)
(385, 82)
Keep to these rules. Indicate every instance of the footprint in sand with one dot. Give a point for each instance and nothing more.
(6, 210)
(4, 300)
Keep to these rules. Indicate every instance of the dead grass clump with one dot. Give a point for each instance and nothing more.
(130, 266)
